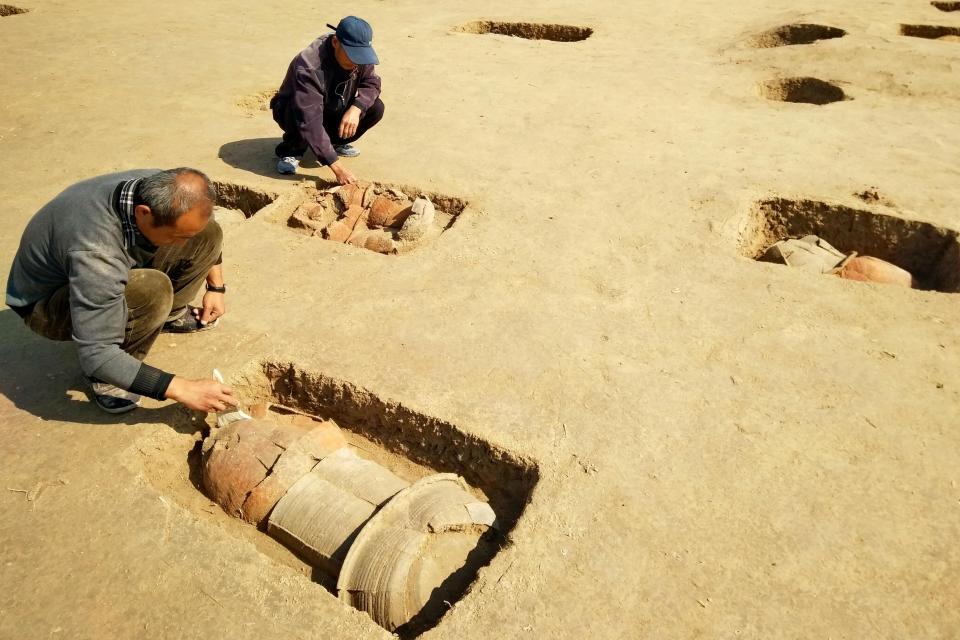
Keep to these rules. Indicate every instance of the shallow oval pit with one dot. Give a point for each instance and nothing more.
(802, 91)
(931, 32)
(928, 253)
(10, 10)
(794, 34)
(528, 30)
(947, 6)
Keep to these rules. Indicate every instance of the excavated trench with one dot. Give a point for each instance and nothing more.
(931, 254)
(528, 30)
(947, 6)
(386, 219)
(237, 202)
(795, 34)
(407, 495)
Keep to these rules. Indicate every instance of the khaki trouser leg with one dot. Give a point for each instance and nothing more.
(187, 265)
(149, 297)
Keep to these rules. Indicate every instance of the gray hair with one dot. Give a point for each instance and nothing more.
(169, 197)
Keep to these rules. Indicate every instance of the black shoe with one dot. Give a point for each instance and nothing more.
(188, 323)
(111, 404)
(113, 399)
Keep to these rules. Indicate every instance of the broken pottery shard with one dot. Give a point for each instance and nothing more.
(868, 269)
(323, 511)
(417, 553)
(322, 439)
(351, 195)
(385, 212)
(354, 216)
(358, 237)
(368, 195)
(809, 253)
(312, 216)
(372, 239)
(419, 221)
(380, 241)
(236, 458)
(339, 231)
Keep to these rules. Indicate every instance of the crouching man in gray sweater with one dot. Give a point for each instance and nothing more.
(113, 261)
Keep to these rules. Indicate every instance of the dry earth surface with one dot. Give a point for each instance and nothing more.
(721, 448)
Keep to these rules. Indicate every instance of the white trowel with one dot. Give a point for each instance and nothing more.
(230, 414)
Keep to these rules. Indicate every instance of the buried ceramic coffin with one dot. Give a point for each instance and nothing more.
(322, 513)
(248, 465)
(406, 562)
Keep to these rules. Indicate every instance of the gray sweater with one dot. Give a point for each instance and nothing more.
(77, 240)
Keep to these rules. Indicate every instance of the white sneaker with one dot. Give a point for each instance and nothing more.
(288, 165)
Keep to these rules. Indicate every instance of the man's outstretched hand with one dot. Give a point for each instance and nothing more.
(344, 175)
(201, 395)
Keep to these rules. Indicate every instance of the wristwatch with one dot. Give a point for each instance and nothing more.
(220, 289)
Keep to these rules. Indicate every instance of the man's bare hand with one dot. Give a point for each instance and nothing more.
(201, 395)
(349, 123)
(344, 175)
(214, 306)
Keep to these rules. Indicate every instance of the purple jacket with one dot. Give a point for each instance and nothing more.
(316, 83)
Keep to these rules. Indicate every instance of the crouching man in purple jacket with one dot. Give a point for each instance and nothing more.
(329, 98)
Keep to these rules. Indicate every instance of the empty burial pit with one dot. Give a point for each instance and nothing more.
(10, 10)
(386, 219)
(929, 253)
(236, 202)
(947, 6)
(528, 30)
(793, 34)
(802, 91)
(396, 511)
(931, 32)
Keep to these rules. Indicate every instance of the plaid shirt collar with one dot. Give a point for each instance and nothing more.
(127, 220)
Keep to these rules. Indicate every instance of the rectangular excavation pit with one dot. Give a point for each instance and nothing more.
(387, 219)
(930, 253)
(418, 449)
(237, 202)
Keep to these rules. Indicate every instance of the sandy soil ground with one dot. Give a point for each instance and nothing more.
(723, 448)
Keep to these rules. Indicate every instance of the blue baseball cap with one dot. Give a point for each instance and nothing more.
(355, 35)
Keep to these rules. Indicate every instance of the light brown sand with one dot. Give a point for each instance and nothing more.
(725, 449)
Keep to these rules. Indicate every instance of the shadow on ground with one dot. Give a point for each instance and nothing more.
(43, 378)
(256, 156)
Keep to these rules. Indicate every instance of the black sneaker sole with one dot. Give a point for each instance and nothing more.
(115, 405)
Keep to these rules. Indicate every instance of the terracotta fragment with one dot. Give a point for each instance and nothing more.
(385, 212)
(236, 458)
(868, 269)
(322, 439)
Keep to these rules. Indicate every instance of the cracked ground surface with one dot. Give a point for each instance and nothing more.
(724, 448)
